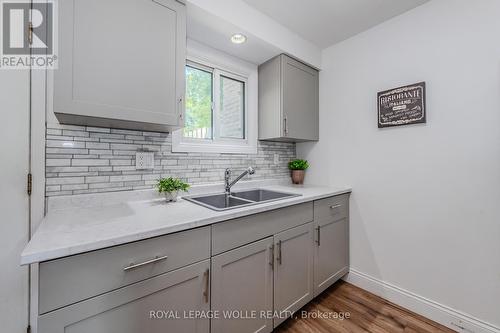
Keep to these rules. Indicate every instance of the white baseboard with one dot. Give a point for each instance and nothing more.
(437, 312)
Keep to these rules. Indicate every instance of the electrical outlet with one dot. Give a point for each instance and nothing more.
(463, 326)
(276, 159)
(144, 160)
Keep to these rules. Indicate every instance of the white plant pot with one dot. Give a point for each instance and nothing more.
(171, 196)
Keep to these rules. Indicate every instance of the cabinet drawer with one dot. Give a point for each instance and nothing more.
(234, 233)
(71, 279)
(333, 208)
(127, 310)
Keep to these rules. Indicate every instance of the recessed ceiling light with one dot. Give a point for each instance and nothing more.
(238, 38)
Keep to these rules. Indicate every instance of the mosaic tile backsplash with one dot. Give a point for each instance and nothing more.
(82, 159)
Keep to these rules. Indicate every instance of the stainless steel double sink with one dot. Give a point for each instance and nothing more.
(237, 199)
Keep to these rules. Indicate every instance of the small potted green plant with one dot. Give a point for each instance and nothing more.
(298, 168)
(171, 187)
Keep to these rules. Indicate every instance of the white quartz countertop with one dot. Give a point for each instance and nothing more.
(78, 229)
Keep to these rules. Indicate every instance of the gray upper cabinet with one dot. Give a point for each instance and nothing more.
(288, 100)
(121, 63)
(137, 308)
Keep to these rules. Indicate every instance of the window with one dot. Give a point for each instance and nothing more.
(216, 111)
(199, 101)
(215, 104)
(232, 108)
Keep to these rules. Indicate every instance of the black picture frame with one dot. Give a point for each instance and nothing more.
(402, 106)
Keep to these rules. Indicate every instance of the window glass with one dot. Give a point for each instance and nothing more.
(232, 108)
(199, 118)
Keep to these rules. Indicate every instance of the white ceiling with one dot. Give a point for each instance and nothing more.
(326, 22)
(210, 30)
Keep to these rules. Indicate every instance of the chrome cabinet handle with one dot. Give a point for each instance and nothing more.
(285, 126)
(318, 241)
(179, 107)
(207, 280)
(279, 258)
(271, 255)
(335, 206)
(148, 262)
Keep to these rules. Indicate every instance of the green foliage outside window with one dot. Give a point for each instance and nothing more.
(198, 99)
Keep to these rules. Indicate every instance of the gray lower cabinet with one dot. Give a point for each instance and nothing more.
(137, 307)
(263, 268)
(242, 281)
(331, 242)
(293, 273)
(121, 64)
(231, 234)
(99, 272)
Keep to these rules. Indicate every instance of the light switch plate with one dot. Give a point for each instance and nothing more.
(276, 159)
(144, 160)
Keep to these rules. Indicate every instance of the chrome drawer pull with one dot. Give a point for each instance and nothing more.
(206, 276)
(271, 255)
(336, 206)
(152, 261)
(318, 229)
(279, 259)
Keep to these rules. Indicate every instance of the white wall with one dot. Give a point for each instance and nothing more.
(425, 209)
(14, 136)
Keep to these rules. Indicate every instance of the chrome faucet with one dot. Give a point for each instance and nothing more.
(229, 183)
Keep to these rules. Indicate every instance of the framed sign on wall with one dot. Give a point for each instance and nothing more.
(402, 106)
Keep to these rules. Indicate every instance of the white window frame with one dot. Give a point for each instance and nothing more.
(208, 59)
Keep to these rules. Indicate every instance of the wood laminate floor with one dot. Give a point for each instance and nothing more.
(368, 313)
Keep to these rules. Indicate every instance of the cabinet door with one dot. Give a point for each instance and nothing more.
(300, 100)
(242, 281)
(293, 273)
(121, 63)
(138, 308)
(331, 252)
